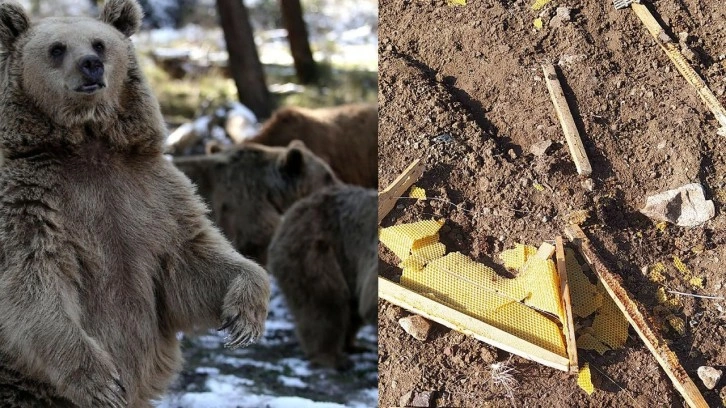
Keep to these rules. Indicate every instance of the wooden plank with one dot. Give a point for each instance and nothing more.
(432, 310)
(641, 322)
(686, 70)
(577, 150)
(566, 305)
(388, 197)
(545, 251)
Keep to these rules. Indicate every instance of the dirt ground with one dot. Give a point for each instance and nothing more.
(462, 88)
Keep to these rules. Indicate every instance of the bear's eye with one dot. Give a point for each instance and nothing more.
(57, 50)
(98, 46)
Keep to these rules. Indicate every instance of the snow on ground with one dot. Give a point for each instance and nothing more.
(272, 373)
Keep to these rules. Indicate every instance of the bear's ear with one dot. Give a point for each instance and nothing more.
(125, 15)
(292, 163)
(14, 21)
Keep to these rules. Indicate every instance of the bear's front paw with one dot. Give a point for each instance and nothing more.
(245, 309)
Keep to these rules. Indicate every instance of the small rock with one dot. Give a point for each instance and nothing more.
(685, 206)
(416, 326)
(709, 376)
(405, 399)
(588, 184)
(563, 16)
(540, 148)
(512, 154)
(422, 399)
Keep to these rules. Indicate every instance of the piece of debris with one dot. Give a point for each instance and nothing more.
(405, 399)
(686, 70)
(538, 4)
(584, 379)
(416, 326)
(577, 217)
(586, 299)
(540, 148)
(640, 321)
(538, 23)
(572, 135)
(403, 238)
(610, 325)
(710, 376)
(503, 374)
(695, 281)
(417, 192)
(685, 206)
(443, 138)
(677, 324)
(388, 197)
(563, 16)
(422, 399)
(456, 3)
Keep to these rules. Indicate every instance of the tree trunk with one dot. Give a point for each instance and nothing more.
(297, 35)
(244, 62)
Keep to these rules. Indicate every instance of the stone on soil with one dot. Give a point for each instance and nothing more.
(709, 376)
(685, 206)
(416, 326)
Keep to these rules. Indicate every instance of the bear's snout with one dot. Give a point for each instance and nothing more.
(91, 68)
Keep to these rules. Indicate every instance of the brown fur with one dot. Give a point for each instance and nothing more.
(325, 259)
(105, 250)
(346, 137)
(250, 186)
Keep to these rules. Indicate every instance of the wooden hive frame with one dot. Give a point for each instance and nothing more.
(449, 317)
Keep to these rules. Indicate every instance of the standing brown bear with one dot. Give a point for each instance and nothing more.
(325, 258)
(105, 249)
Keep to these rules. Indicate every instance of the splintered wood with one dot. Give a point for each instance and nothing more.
(388, 197)
(639, 320)
(577, 150)
(672, 51)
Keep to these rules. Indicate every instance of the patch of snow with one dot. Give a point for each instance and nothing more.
(291, 381)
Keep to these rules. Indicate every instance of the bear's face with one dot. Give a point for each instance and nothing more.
(72, 68)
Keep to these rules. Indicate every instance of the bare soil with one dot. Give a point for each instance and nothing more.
(462, 88)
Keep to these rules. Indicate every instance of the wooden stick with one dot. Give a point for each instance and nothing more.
(388, 197)
(681, 63)
(640, 321)
(566, 305)
(433, 310)
(577, 150)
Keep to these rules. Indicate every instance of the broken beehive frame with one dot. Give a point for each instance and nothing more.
(569, 330)
(388, 197)
(675, 55)
(437, 311)
(451, 318)
(577, 150)
(639, 320)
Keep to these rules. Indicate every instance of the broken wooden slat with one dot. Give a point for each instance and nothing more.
(545, 251)
(640, 321)
(569, 330)
(388, 197)
(577, 150)
(675, 55)
(433, 310)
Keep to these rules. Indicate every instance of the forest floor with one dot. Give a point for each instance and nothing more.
(462, 88)
(271, 373)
